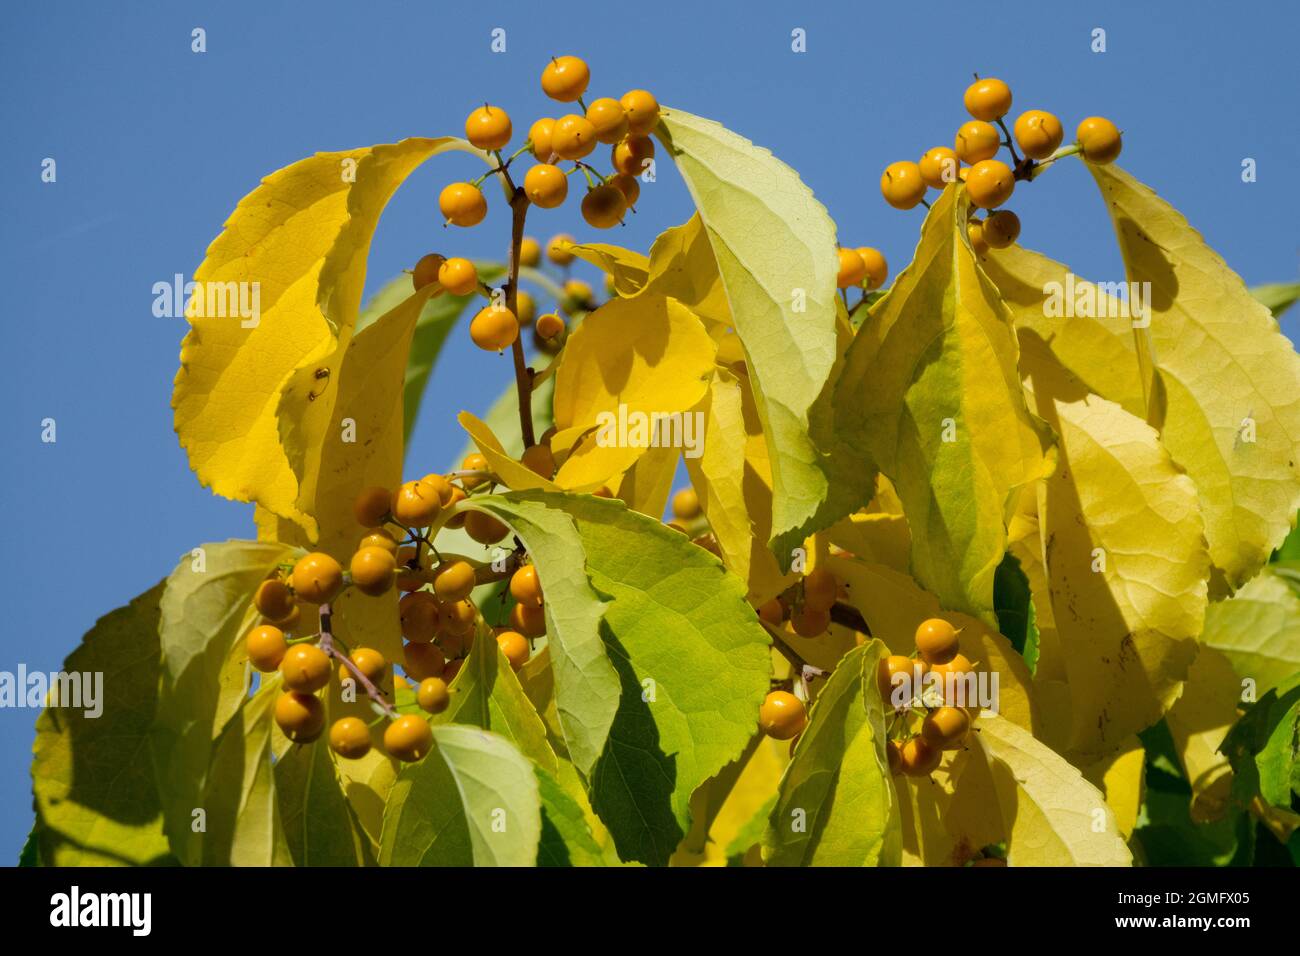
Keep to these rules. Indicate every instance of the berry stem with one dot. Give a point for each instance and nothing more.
(523, 374)
(327, 645)
(1009, 143)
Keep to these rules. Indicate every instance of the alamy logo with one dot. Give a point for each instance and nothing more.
(78, 690)
(636, 429)
(1098, 300)
(214, 300)
(75, 908)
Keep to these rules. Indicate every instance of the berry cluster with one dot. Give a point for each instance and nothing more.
(439, 619)
(989, 181)
(944, 717)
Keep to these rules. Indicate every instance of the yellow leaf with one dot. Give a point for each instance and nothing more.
(648, 483)
(1126, 564)
(756, 785)
(893, 605)
(1198, 722)
(878, 534)
(1122, 778)
(1052, 816)
(629, 269)
(733, 479)
(931, 383)
(300, 240)
(1228, 406)
(1258, 629)
(682, 266)
(628, 376)
(513, 475)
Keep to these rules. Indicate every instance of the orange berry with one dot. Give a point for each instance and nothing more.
(419, 616)
(525, 307)
(317, 578)
(1001, 229)
(369, 662)
(976, 140)
(455, 581)
(558, 249)
(422, 661)
(416, 505)
(525, 586)
(459, 277)
(642, 111)
(379, 538)
(546, 186)
(474, 462)
(939, 166)
(300, 716)
(633, 155)
(565, 78)
(462, 204)
(852, 269)
(820, 590)
(515, 647)
(266, 647)
(573, 137)
(350, 738)
(936, 639)
(494, 328)
(488, 127)
(919, 758)
(484, 528)
(888, 681)
(988, 99)
(373, 570)
(877, 267)
(945, 728)
(630, 187)
(432, 695)
(901, 185)
(808, 622)
(528, 621)
(530, 252)
(539, 460)
(990, 183)
(772, 612)
(608, 118)
(457, 617)
(604, 206)
(371, 506)
(1099, 140)
(782, 715)
(539, 135)
(426, 270)
(686, 505)
(453, 668)
(274, 600)
(1038, 133)
(408, 738)
(305, 668)
(549, 326)
(975, 233)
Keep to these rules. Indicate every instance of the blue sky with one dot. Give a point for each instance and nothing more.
(155, 144)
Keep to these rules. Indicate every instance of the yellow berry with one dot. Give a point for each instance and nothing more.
(488, 127)
(558, 251)
(573, 137)
(525, 586)
(539, 460)
(772, 612)
(317, 578)
(305, 668)
(528, 621)
(1099, 140)
(266, 647)
(810, 622)
(373, 570)
(887, 677)
(877, 267)
(459, 277)
(350, 738)
(901, 185)
(988, 99)
(642, 111)
(462, 204)
(852, 269)
(565, 78)
(422, 661)
(416, 505)
(919, 758)
(820, 590)
(936, 639)
(418, 612)
(1038, 133)
(371, 663)
(945, 728)
(782, 715)
(530, 252)
(455, 581)
(274, 601)
(686, 504)
(515, 648)
(525, 307)
(1001, 229)
(630, 187)
(494, 328)
(977, 140)
(939, 167)
(408, 738)
(604, 206)
(990, 183)
(539, 139)
(549, 326)
(432, 695)
(608, 118)
(975, 233)
(300, 716)
(633, 155)
(457, 617)
(371, 506)
(426, 270)
(546, 186)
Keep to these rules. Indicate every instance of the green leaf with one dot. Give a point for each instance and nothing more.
(241, 811)
(1014, 605)
(1289, 550)
(488, 695)
(690, 656)
(473, 801)
(1258, 629)
(566, 837)
(31, 851)
(1277, 297)
(81, 819)
(931, 383)
(205, 609)
(1263, 747)
(774, 247)
(319, 826)
(834, 804)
